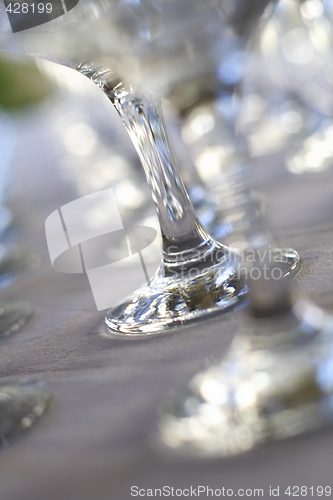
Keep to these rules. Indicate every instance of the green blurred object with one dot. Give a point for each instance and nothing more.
(21, 83)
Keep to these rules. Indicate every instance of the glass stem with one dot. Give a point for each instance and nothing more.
(223, 150)
(185, 242)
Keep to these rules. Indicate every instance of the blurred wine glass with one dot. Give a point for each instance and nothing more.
(273, 383)
(173, 296)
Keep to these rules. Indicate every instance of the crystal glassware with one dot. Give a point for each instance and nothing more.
(195, 47)
(22, 404)
(13, 315)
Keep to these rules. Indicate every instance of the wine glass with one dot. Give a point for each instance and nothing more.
(267, 387)
(198, 276)
(221, 156)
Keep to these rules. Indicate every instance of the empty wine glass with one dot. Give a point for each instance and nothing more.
(195, 47)
(268, 386)
(13, 315)
(221, 156)
(274, 382)
(199, 68)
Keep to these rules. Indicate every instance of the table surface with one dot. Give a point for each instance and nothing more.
(100, 436)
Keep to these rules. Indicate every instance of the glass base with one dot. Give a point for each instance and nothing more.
(21, 406)
(13, 315)
(168, 302)
(272, 385)
(286, 259)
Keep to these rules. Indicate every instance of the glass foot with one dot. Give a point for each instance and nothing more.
(272, 385)
(13, 315)
(169, 302)
(21, 405)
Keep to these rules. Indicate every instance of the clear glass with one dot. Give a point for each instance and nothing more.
(166, 49)
(274, 383)
(197, 274)
(13, 315)
(291, 114)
